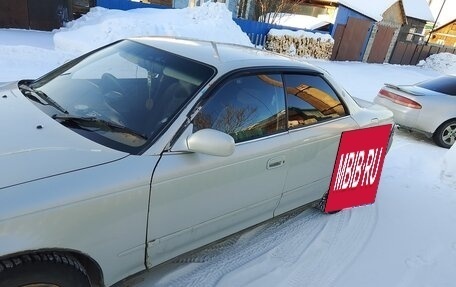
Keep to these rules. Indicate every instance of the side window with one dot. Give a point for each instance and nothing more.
(310, 100)
(246, 108)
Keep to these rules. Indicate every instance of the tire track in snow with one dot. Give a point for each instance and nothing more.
(312, 247)
(209, 273)
(334, 249)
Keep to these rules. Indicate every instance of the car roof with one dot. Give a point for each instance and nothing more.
(224, 55)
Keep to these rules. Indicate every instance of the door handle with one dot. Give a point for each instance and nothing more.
(276, 162)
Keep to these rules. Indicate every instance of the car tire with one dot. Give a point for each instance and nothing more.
(43, 270)
(322, 204)
(445, 135)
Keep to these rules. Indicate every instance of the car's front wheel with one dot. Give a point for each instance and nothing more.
(43, 270)
(445, 135)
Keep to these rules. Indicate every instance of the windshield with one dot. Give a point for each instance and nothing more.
(135, 88)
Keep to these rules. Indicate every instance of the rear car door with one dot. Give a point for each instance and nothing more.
(198, 198)
(316, 118)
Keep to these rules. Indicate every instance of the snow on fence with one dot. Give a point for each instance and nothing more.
(300, 43)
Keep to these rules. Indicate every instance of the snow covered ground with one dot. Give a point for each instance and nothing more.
(407, 238)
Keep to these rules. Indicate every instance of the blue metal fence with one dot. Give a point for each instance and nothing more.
(126, 4)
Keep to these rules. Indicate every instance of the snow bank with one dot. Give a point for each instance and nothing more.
(27, 62)
(211, 21)
(442, 62)
(448, 173)
(297, 20)
(301, 34)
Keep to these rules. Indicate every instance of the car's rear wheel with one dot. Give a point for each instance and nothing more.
(445, 135)
(43, 270)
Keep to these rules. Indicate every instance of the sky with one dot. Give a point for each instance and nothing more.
(406, 238)
(448, 11)
(413, 8)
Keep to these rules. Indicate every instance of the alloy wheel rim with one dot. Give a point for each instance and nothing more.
(449, 134)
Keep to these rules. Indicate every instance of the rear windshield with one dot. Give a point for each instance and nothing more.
(445, 85)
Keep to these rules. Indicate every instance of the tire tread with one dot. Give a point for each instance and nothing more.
(49, 257)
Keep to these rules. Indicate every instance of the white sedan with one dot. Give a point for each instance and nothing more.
(428, 107)
(151, 147)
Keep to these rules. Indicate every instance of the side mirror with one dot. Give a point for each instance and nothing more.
(211, 142)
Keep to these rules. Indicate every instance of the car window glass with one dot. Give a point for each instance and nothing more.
(310, 100)
(445, 85)
(246, 108)
(114, 64)
(128, 84)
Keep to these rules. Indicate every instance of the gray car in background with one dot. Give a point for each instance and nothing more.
(428, 107)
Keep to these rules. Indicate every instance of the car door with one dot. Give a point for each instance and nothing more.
(316, 118)
(198, 198)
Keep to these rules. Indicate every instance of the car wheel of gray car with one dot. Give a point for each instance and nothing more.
(43, 270)
(445, 135)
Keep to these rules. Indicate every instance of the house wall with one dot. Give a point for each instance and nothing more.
(343, 13)
(410, 30)
(394, 14)
(232, 6)
(444, 36)
(180, 4)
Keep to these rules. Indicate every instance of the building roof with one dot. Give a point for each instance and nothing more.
(444, 25)
(418, 9)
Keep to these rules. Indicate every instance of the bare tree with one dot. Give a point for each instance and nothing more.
(271, 10)
(231, 120)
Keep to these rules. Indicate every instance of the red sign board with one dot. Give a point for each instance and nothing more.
(358, 167)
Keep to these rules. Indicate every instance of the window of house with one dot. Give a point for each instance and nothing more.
(310, 100)
(441, 42)
(411, 33)
(246, 107)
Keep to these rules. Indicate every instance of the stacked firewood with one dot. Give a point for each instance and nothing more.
(300, 43)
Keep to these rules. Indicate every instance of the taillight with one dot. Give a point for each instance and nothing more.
(400, 100)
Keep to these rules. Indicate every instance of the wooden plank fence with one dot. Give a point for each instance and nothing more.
(408, 53)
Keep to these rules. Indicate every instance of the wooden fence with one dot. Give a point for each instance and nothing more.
(408, 53)
(32, 14)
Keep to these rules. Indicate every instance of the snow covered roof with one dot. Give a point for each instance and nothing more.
(443, 25)
(372, 10)
(418, 9)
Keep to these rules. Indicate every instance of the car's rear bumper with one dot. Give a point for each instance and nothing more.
(403, 116)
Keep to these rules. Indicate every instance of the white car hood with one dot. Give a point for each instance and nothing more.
(34, 146)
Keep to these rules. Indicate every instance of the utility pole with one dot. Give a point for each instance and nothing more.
(436, 19)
